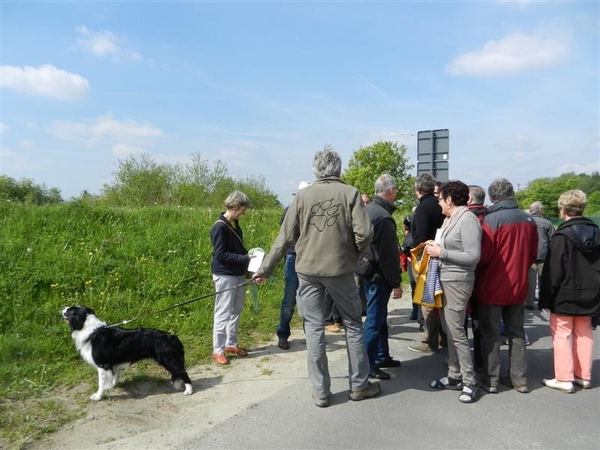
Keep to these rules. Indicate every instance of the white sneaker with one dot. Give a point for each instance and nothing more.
(563, 386)
(585, 384)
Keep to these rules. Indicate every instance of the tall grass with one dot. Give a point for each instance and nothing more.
(122, 263)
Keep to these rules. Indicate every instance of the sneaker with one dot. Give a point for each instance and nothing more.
(236, 351)
(333, 328)
(379, 374)
(420, 348)
(521, 388)
(490, 389)
(563, 386)
(220, 358)
(469, 394)
(321, 402)
(389, 363)
(283, 344)
(585, 384)
(372, 390)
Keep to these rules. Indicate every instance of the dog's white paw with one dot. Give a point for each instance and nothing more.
(96, 397)
(188, 390)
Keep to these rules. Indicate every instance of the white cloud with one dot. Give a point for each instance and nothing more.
(105, 129)
(513, 54)
(123, 151)
(45, 80)
(105, 44)
(26, 144)
(3, 128)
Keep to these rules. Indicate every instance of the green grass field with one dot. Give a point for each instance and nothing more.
(121, 263)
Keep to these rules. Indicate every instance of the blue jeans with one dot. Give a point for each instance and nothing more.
(289, 296)
(375, 326)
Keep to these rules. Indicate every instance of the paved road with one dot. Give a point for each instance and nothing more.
(410, 415)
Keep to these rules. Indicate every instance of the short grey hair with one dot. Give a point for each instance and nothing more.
(425, 183)
(327, 163)
(384, 183)
(237, 200)
(573, 202)
(501, 189)
(477, 194)
(536, 207)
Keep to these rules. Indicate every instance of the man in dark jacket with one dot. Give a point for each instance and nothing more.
(545, 232)
(508, 248)
(386, 280)
(570, 290)
(428, 217)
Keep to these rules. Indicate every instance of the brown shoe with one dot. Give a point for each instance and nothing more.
(333, 328)
(240, 352)
(220, 358)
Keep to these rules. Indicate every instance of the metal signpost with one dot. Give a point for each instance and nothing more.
(433, 153)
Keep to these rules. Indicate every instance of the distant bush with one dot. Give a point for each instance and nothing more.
(143, 182)
(26, 191)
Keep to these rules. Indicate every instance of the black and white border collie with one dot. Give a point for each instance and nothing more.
(111, 349)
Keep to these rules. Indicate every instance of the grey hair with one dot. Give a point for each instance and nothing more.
(237, 200)
(327, 163)
(477, 194)
(425, 183)
(500, 189)
(384, 183)
(536, 207)
(573, 202)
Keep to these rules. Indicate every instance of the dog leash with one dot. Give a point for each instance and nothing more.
(125, 322)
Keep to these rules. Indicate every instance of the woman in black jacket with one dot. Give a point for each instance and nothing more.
(570, 290)
(229, 265)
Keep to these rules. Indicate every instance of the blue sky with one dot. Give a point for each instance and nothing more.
(262, 86)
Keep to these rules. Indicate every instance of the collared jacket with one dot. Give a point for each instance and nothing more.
(230, 257)
(545, 232)
(570, 283)
(385, 242)
(428, 217)
(460, 248)
(329, 223)
(508, 249)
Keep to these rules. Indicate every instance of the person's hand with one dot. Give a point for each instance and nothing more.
(258, 279)
(397, 292)
(433, 249)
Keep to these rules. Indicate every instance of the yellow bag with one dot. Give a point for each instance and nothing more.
(420, 264)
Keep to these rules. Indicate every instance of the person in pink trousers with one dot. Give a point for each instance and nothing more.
(570, 290)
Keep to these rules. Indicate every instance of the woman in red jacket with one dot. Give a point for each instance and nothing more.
(570, 290)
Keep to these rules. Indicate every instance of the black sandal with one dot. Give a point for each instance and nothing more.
(446, 383)
(469, 394)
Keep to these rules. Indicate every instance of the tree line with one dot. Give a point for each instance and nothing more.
(139, 181)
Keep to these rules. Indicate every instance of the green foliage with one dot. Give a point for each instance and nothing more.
(547, 190)
(368, 163)
(144, 182)
(121, 262)
(26, 191)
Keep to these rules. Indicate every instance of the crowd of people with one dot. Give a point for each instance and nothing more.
(467, 263)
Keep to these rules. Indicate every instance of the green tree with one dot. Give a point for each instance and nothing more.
(143, 182)
(26, 191)
(368, 163)
(547, 190)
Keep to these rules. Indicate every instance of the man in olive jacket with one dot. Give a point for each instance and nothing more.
(330, 226)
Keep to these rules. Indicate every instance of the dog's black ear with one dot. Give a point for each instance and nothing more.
(76, 316)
